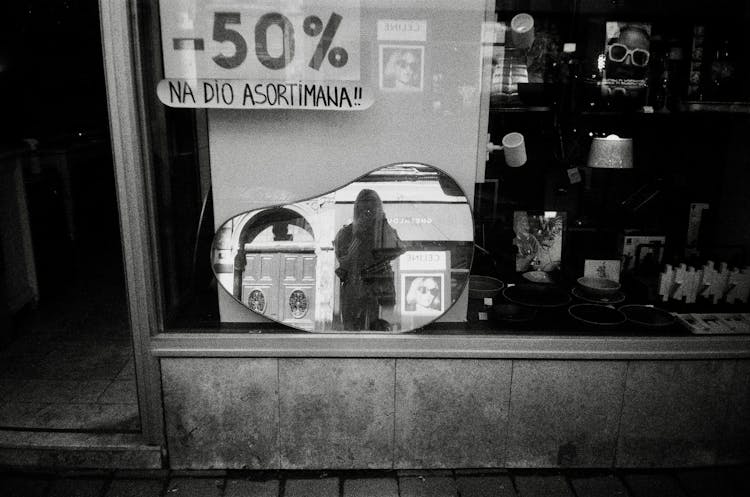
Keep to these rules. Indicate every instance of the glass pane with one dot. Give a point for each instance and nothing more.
(614, 139)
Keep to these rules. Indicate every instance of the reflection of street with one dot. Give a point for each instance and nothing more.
(338, 262)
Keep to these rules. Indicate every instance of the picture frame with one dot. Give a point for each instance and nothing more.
(401, 68)
(603, 268)
(422, 294)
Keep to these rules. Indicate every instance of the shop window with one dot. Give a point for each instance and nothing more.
(615, 167)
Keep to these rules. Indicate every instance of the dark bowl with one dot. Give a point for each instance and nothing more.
(600, 287)
(595, 314)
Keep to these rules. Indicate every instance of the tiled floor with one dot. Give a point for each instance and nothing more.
(69, 385)
(68, 364)
(714, 482)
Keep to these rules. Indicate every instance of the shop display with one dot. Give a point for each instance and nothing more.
(389, 252)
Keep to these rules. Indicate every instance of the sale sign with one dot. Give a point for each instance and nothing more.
(262, 53)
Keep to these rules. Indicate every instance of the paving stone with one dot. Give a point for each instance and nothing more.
(249, 488)
(195, 487)
(74, 487)
(436, 486)
(542, 486)
(708, 483)
(653, 485)
(599, 486)
(485, 486)
(307, 487)
(371, 487)
(135, 488)
(23, 485)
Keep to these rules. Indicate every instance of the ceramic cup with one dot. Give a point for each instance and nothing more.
(522, 31)
(514, 149)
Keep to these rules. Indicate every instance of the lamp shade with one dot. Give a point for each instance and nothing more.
(611, 152)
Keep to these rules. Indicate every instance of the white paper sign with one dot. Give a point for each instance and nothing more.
(402, 30)
(289, 40)
(423, 261)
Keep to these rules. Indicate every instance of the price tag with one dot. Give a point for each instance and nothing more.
(482, 316)
(574, 175)
(488, 301)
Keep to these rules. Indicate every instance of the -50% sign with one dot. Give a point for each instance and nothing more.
(313, 40)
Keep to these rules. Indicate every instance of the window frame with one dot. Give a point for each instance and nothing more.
(135, 193)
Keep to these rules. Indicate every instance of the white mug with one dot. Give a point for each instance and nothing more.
(514, 149)
(522, 31)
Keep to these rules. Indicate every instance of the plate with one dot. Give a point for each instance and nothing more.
(596, 314)
(537, 277)
(484, 286)
(616, 298)
(514, 313)
(599, 287)
(644, 315)
(537, 295)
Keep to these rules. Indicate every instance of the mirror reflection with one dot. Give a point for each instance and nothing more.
(389, 252)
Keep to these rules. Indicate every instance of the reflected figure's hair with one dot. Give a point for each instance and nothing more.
(368, 217)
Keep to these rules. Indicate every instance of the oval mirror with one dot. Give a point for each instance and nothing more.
(389, 252)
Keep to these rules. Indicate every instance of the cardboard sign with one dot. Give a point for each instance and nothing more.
(249, 46)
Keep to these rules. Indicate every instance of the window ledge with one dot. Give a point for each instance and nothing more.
(448, 346)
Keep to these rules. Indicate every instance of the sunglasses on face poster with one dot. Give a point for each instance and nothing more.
(401, 68)
(627, 53)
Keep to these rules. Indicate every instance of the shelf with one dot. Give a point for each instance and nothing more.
(728, 107)
(520, 109)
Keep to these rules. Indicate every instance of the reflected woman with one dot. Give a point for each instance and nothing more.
(364, 250)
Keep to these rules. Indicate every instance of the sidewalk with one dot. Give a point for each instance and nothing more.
(709, 482)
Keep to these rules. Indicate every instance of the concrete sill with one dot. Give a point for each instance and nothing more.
(40, 450)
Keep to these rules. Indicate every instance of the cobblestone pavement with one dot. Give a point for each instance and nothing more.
(708, 482)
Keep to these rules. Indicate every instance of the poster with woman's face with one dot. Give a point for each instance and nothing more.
(401, 68)
(627, 54)
(423, 294)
